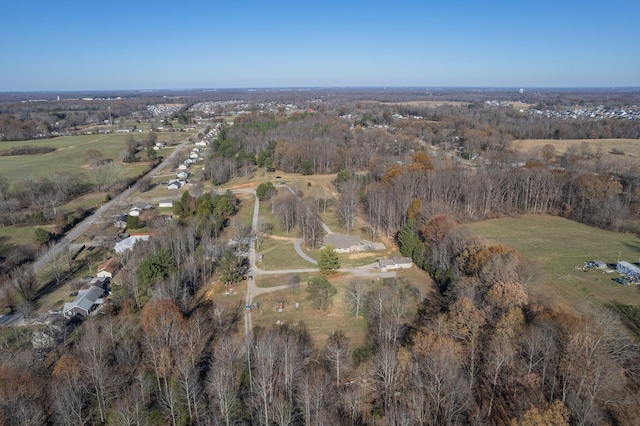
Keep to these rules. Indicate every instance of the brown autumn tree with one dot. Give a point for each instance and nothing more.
(391, 173)
(421, 163)
(554, 414)
(473, 259)
(415, 209)
(505, 295)
(465, 323)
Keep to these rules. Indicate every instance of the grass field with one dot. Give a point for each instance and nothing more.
(70, 155)
(559, 246)
(281, 254)
(320, 323)
(266, 281)
(11, 237)
(631, 147)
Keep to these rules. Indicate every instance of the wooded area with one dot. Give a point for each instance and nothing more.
(482, 349)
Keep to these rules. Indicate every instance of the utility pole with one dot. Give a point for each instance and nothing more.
(110, 121)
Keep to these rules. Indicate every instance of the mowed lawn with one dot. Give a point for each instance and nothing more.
(558, 246)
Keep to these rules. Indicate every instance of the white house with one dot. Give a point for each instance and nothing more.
(174, 184)
(394, 263)
(182, 175)
(108, 268)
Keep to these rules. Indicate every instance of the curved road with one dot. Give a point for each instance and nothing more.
(254, 271)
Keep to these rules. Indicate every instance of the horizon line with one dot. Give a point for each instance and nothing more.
(273, 88)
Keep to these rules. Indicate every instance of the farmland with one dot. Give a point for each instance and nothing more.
(70, 155)
(630, 147)
(559, 246)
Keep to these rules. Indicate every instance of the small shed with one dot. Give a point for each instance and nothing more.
(598, 264)
(108, 268)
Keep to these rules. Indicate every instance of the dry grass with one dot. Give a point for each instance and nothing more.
(320, 323)
(631, 147)
(431, 104)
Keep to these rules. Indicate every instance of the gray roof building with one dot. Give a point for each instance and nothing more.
(84, 303)
(342, 242)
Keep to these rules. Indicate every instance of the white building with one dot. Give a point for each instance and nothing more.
(628, 269)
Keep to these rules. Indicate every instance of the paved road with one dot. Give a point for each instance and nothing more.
(254, 271)
(301, 253)
(83, 226)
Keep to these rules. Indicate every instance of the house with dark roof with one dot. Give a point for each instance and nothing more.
(85, 302)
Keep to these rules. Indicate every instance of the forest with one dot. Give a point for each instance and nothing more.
(483, 348)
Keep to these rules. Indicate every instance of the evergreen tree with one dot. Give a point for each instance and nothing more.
(328, 262)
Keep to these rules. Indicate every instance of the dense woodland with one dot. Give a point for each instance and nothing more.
(479, 350)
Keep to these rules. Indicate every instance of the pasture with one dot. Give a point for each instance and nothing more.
(70, 155)
(560, 246)
(630, 147)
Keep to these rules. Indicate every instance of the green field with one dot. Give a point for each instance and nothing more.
(267, 281)
(281, 254)
(70, 155)
(559, 246)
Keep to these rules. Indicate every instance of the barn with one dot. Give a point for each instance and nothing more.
(628, 269)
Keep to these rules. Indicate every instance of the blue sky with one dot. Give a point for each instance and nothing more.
(90, 45)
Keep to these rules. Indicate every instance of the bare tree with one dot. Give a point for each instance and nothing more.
(222, 382)
(24, 280)
(356, 294)
(348, 203)
(97, 367)
(69, 393)
(263, 362)
(499, 359)
(293, 282)
(58, 261)
(337, 352)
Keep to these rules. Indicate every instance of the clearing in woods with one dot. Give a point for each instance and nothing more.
(630, 147)
(561, 246)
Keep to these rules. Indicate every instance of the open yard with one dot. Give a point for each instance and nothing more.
(559, 246)
(320, 323)
(281, 254)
